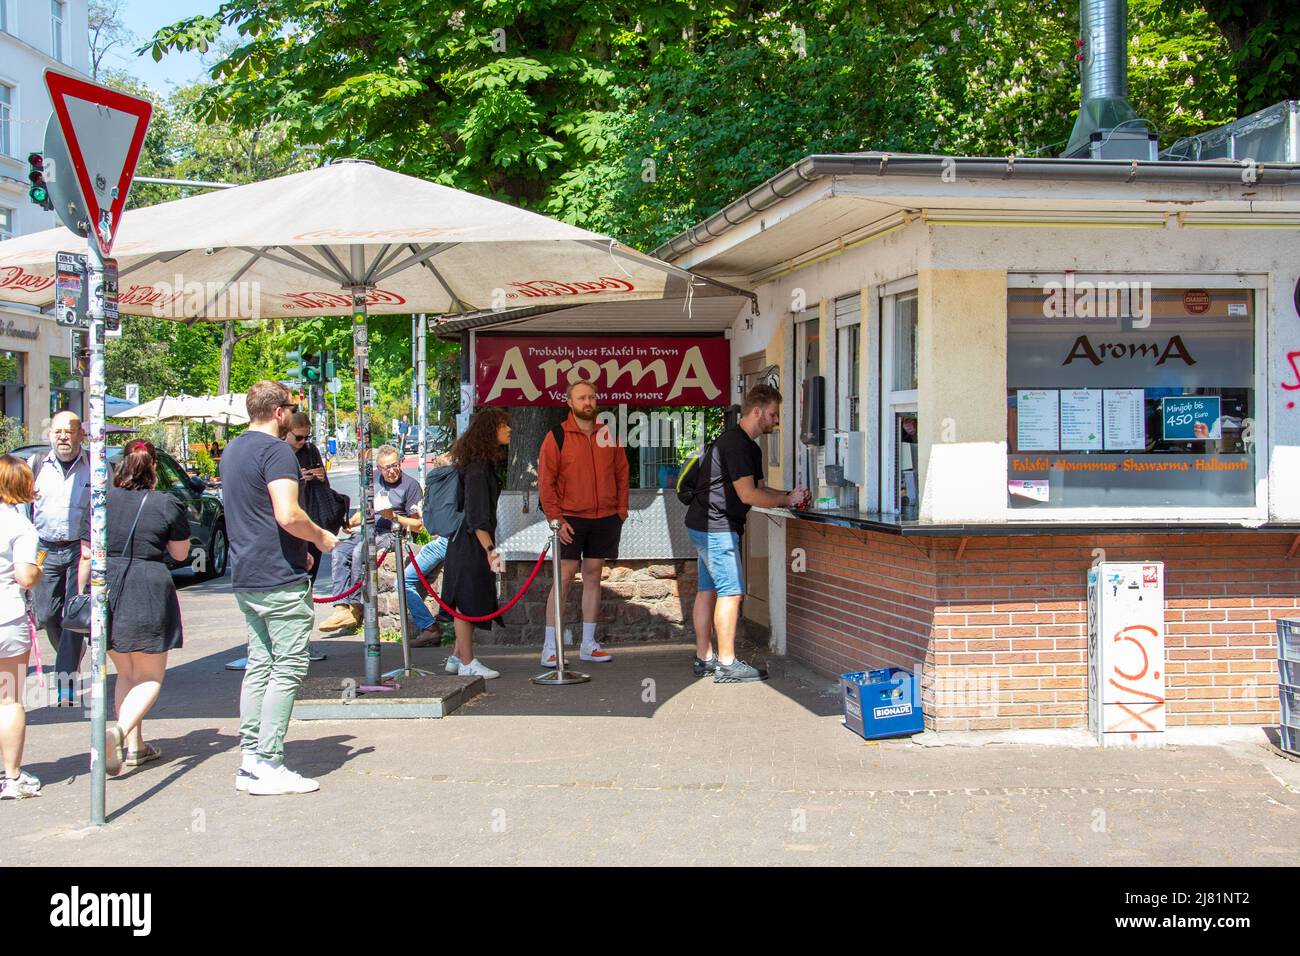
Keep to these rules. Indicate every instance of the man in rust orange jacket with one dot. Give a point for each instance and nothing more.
(582, 483)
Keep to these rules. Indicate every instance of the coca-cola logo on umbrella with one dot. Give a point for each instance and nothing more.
(13, 277)
(545, 288)
(339, 300)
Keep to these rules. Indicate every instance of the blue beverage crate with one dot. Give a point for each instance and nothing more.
(1291, 739)
(882, 703)
(1288, 672)
(1289, 697)
(1288, 640)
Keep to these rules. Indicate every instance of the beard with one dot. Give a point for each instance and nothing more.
(587, 415)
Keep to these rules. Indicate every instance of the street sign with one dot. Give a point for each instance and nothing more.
(70, 293)
(133, 394)
(104, 130)
(64, 194)
(334, 386)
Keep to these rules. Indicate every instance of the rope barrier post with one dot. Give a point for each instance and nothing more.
(560, 675)
(399, 549)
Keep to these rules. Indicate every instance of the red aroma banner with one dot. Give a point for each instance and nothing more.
(632, 371)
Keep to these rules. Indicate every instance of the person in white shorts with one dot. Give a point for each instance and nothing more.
(19, 571)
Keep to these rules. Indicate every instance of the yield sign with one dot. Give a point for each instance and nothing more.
(104, 130)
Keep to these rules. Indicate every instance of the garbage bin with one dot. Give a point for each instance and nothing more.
(1288, 683)
(882, 703)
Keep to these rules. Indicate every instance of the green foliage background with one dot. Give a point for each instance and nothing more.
(640, 118)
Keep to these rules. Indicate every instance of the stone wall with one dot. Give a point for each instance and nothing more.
(640, 601)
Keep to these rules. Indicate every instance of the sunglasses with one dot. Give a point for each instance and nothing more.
(296, 437)
(293, 409)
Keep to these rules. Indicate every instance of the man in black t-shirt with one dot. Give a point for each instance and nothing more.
(730, 483)
(268, 533)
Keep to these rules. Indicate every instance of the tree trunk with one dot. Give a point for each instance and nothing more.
(528, 426)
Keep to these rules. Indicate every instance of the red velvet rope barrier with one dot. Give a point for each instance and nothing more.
(485, 617)
(350, 591)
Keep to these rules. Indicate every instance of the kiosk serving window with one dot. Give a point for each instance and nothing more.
(1124, 395)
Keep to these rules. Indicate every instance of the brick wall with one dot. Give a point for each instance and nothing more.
(1001, 633)
(640, 601)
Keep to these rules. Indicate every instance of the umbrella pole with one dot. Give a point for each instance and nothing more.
(98, 536)
(366, 474)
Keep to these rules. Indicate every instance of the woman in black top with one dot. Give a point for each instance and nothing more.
(144, 612)
(472, 560)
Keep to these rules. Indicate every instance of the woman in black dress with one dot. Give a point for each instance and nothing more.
(144, 612)
(469, 583)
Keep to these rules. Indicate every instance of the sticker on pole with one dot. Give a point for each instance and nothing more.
(70, 294)
(104, 130)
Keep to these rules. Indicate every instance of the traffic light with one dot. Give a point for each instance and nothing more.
(39, 192)
(294, 365)
(329, 365)
(311, 368)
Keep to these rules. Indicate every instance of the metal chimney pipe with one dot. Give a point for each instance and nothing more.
(1103, 27)
(1104, 105)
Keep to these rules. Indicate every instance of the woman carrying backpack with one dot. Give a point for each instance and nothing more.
(469, 585)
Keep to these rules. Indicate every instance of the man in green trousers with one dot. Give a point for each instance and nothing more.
(269, 564)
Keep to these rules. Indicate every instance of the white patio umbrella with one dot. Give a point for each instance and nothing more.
(161, 409)
(350, 239)
(228, 409)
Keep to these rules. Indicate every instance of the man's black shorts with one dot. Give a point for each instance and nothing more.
(593, 538)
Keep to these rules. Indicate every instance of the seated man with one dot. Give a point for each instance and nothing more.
(402, 506)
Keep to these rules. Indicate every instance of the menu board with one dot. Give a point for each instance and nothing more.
(1081, 419)
(1038, 419)
(1125, 422)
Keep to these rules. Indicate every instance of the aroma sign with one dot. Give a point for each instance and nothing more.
(625, 371)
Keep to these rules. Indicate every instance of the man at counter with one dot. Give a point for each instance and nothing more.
(582, 482)
(729, 484)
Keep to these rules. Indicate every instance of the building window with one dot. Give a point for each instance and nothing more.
(850, 452)
(8, 136)
(1124, 395)
(56, 29)
(65, 386)
(899, 462)
(11, 384)
(6, 223)
(807, 366)
(4, 15)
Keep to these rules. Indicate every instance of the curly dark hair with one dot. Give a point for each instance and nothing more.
(479, 443)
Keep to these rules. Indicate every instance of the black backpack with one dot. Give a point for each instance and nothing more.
(443, 508)
(688, 480)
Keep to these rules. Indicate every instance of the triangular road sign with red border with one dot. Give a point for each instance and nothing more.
(104, 131)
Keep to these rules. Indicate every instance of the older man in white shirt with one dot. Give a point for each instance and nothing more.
(62, 516)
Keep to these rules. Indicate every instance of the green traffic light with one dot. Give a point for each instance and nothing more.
(39, 195)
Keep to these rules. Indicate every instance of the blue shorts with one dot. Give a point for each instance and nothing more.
(719, 566)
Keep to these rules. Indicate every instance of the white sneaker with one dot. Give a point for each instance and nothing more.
(453, 664)
(548, 655)
(20, 787)
(276, 781)
(592, 652)
(477, 668)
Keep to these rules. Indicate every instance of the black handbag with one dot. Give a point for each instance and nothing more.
(76, 612)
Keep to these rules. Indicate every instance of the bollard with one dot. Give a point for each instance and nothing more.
(399, 550)
(560, 675)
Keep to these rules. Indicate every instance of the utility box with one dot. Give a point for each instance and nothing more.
(1126, 653)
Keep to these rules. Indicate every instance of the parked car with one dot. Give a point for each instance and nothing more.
(209, 547)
